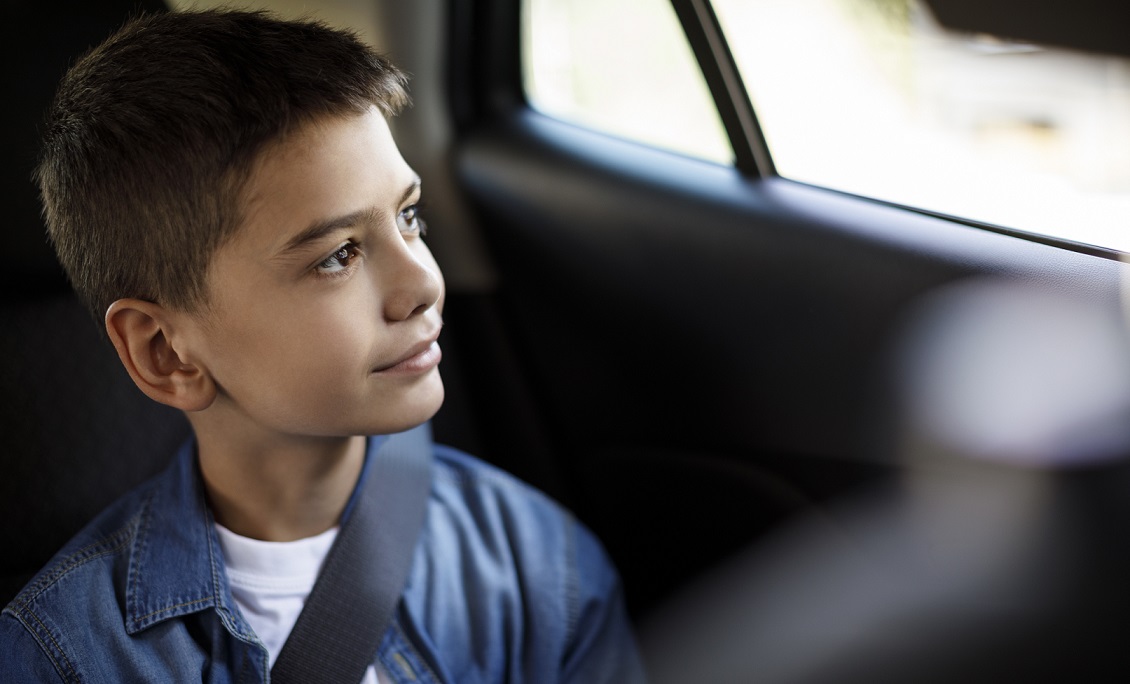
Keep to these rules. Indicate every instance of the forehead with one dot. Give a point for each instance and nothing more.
(326, 168)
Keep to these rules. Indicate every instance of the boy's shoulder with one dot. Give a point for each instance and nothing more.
(97, 546)
(471, 476)
(488, 501)
(472, 496)
(491, 543)
(504, 561)
(475, 493)
(483, 514)
(77, 602)
(460, 480)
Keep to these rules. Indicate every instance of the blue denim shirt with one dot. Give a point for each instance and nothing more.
(505, 586)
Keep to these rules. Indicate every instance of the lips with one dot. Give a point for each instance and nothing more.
(420, 358)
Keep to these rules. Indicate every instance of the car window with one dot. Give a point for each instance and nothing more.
(623, 67)
(869, 97)
(875, 98)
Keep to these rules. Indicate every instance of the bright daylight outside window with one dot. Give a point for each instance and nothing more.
(622, 67)
(873, 97)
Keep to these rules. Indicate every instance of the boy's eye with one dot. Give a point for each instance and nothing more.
(339, 260)
(410, 221)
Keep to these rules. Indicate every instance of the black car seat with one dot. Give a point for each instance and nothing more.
(74, 431)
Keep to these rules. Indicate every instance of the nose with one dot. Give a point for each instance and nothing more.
(409, 279)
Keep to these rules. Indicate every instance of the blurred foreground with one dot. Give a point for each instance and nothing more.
(1003, 553)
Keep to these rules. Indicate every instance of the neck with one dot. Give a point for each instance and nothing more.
(282, 488)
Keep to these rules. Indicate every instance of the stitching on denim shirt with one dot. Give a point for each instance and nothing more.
(139, 553)
(245, 666)
(228, 617)
(55, 663)
(167, 609)
(229, 622)
(245, 669)
(421, 660)
(106, 546)
(405, 666)
(93, 551)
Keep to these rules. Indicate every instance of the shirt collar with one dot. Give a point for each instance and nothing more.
(176, 567)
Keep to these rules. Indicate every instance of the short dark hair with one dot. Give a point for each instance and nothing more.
(152, 134)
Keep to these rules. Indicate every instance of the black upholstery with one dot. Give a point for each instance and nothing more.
(74, 431)
(39, 39)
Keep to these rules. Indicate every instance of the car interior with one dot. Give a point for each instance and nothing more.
(706, 363)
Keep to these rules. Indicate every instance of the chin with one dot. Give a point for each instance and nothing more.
(419, 406)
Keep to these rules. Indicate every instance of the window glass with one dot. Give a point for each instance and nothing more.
(873, 97)
(623, 67)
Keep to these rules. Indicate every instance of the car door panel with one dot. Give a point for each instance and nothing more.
(707, 352)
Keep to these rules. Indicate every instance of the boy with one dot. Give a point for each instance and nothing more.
(224, 192)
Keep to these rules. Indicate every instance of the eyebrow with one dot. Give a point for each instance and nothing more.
(319, 229)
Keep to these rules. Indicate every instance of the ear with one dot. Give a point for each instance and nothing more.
(142, 334)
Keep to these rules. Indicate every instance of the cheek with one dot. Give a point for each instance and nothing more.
(285, 345)
(321, 339)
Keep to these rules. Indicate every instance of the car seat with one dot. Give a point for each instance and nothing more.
(75, 432)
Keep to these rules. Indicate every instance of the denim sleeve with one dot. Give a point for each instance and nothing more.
(602, 647)
(21, 657)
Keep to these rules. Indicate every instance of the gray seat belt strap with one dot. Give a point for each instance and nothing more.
(351, 605)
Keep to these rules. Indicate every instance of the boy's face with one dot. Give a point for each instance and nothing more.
(325, 306)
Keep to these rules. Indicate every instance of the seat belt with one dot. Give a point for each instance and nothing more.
(337, 634)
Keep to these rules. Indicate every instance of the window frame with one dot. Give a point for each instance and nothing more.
(731, 98)
(494, 61)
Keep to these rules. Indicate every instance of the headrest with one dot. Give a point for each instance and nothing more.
(39, 39)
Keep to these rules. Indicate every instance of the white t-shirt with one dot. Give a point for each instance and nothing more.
(270, 582)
